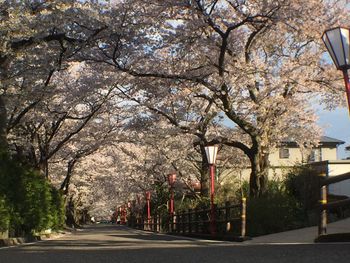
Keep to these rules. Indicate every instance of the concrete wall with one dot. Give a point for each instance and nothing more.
(329, 154)
(295, 157)
(333, 168)
(337, 168)
(280, 167)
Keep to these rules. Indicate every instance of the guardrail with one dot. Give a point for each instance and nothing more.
(324, 204)
(229, 222)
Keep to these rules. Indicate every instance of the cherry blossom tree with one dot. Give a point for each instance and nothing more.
(257, 61)
(190, 72)
(38, 38)
(53, 108)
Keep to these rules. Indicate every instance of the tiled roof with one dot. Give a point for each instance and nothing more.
(323, 140)
(332, 140)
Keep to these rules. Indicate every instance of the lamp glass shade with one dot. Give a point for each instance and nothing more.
(211, 152)
(337, 43)
(172, 178)
(148, 195)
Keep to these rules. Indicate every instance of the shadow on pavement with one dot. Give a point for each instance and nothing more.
(243, 254)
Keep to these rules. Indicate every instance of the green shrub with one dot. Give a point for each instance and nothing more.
(303, 183)
(36, 203)
(57, 209)
(32, 204)
(4, 215)
(278, 211)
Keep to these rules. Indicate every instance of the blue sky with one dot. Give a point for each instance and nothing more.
(336, 124)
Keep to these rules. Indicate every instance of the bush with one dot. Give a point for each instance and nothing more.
(4, 215)
(32, 204)
(273, 213)
(57, 209)
(303, 183)
(278, 211)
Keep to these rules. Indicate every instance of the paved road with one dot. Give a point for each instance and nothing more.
(118, 244)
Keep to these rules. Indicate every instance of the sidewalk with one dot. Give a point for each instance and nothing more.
(304, 235)
(14, 241)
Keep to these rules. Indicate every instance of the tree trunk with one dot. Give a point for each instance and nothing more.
(43, 168)
(4, 62)
(71, 218)
(3, 119)
(259, 172)
(66, 182)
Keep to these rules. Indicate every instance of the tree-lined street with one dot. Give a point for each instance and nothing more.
(107, 243)
(167, 113)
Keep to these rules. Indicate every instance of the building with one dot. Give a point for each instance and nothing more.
(323, 159)
(290, 154)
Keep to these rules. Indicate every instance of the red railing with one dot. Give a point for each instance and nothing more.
(230, 222)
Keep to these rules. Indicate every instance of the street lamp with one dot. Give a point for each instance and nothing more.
(211, 152)
(148, 199)
(139, 212)
(171, 181)
(123, 215)
(337, 43)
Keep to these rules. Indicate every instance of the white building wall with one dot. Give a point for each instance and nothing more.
(338, 168)
(295, 157)
(329, 154)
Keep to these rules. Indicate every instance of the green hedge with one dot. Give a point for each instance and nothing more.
(4, 215)
(30, 203)
(276, 212)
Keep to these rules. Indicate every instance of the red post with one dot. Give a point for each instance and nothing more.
(212, 206)
(148, 198)
(123, 217)
(171, 207)
(171, 181)
(347, 86)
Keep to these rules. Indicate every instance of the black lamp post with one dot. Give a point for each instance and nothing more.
(337, 43)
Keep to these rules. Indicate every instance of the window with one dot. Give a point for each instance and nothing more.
(284, 153)
(312, 156)
(315, 155)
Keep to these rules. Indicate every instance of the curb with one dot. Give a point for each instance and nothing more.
(337, 237)
(18, 240)
(15, 241)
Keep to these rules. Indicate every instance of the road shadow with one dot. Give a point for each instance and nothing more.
(306, 253)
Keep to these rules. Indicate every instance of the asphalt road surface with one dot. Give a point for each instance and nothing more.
(107, 243)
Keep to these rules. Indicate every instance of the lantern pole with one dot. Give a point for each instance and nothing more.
(337, 41)
(211, 152)
(148, 199)
(347, 86)
(171, 181)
